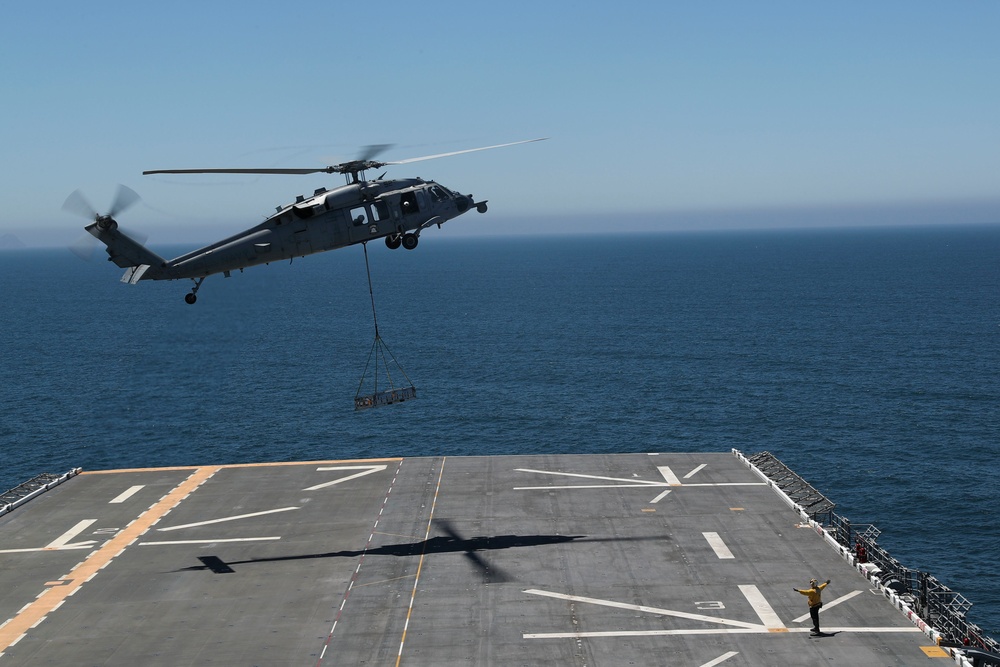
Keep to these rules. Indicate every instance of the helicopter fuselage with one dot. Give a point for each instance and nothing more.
(397, 210)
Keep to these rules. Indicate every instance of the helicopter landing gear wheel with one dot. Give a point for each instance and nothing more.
(410, 241)
(393, 241)
(193, 296)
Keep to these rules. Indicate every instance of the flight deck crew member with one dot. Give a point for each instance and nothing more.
(815, 601)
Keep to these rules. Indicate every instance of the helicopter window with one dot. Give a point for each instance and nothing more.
(358, 216)
(437, 194)
(380, 211)
(408, 202)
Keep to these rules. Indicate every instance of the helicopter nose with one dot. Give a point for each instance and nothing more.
(463, 204)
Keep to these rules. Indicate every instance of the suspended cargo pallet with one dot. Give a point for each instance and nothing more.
(387, 397)
(380, 353)
(372, 397)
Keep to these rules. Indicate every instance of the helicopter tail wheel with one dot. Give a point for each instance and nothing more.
(190, 298)
(393, 241)
(481, 207)
(410, 241)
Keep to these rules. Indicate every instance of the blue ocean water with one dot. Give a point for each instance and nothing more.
(867, 360)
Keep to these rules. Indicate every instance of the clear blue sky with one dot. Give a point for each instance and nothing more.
(694, 113)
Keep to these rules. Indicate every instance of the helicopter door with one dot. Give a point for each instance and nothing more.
(368, 222)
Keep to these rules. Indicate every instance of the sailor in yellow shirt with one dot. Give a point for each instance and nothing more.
(815, 602)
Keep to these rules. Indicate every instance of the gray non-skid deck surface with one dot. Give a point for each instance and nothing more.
(508, 560)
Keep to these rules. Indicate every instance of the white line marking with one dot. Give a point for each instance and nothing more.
(365, 470)
(827, 605)
(587, 486)
(125, 495)
(721, 659)
(228, 518)
(78, 545)
(229, 539)
(63, 540)
(651, 610)
(659, 497)
(730, 484)
(718, 546)
(713, 631)
(760, 605)
(695, 472)
(631, 482)
(669, 475)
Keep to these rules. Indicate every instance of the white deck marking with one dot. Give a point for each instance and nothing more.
(229, 539)
(695, 471)
(763, 608)
(587, 486)
(713, 631)
(721, 659)
(652, 610)
(718, 546)
(730, 484)
(365, 470)
(89, 544)
(669, 475)
(228, 518)
(125, 495)
(63, 540)
(630, 482)
(827, 605)
(659, 497)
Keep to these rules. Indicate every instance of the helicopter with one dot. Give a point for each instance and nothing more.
(397, 210)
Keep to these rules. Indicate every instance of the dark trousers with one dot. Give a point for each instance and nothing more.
(814, 613)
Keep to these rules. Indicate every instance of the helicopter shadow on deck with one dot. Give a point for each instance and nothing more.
(452, 542)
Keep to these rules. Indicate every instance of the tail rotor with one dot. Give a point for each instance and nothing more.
(77, 204)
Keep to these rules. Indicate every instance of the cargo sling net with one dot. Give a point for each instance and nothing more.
(378, 362)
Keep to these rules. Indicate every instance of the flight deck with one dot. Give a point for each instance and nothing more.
(620, 559)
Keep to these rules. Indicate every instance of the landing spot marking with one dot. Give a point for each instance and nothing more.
(126, 494)
(718, 546)
(695, 471)
(228, 518)
(763, 608)
(660, 497)
(828, 605)
(721, 659)
(63, 540)
(771, 623)
(216, 541)
(365, 470)
(669, 475)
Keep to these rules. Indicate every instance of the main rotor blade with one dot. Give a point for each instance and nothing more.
(469, 150)
(365, 162)
(235, 171)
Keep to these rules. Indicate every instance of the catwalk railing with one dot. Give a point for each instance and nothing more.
(34, 487)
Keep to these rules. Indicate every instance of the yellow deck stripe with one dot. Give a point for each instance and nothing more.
(36, 611)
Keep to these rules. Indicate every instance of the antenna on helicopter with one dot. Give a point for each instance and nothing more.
(378, 352)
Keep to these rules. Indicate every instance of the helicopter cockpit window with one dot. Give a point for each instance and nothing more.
(408, 202)
(438, 194)
(380, 210)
